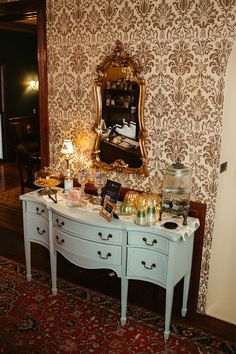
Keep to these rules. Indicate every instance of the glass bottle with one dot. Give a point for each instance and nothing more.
(68, 182)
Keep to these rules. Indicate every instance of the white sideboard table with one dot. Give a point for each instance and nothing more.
(153, 254)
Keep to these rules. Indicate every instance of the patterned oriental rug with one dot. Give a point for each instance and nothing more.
(79, 320)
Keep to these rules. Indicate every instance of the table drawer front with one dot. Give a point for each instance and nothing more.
(147, 264)
(37, 208)
(93, 233)
(108, 254)
(149, 240)
(37, 229)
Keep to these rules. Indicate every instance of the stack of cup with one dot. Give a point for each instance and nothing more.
(146, 214)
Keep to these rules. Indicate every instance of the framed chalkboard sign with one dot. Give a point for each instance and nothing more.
(107, 210)
(111, 191)
(109, 199)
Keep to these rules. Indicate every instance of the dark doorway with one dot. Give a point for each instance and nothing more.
(19, 98)
(24, 14)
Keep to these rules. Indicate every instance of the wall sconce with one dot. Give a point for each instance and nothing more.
(34, 85)
(67, 150)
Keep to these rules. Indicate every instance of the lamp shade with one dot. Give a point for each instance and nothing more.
(67, 147)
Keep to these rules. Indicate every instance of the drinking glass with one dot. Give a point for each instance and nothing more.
(100, 179)
(83, 178)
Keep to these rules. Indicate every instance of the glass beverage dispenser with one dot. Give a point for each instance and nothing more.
(176, 190)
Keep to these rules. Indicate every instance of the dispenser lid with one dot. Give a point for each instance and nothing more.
(178, 168)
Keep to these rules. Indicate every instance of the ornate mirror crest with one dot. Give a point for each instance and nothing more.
(119, 93)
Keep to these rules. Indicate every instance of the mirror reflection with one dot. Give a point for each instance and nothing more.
(119, 92)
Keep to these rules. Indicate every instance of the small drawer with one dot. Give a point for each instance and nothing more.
(37, 230)
(37, 208)
(108, 254)
(88, 232)
(148, 240)
(147, 265)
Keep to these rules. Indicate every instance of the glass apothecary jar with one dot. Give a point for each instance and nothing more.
(176, 190)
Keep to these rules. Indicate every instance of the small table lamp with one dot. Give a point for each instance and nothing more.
(67, 149)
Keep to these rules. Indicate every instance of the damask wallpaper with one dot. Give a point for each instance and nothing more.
(183, 46)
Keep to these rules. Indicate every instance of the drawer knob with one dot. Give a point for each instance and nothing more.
(60, 223)
(150, 268)
(104, 237)
(149, 244)
(60, 242)
(104, 257)
(40, 232)
(39, 211)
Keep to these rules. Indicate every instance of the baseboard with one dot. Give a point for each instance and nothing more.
(214, 325)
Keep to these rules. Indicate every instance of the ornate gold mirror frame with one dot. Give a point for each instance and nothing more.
(119, 93)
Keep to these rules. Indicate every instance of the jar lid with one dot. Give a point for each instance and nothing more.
(178, 168)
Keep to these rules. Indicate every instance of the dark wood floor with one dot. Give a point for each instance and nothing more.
(9, 176)
(142, 294)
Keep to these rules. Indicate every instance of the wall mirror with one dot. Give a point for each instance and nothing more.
(119, 93)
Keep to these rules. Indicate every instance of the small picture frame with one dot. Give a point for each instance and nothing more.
(108, 210)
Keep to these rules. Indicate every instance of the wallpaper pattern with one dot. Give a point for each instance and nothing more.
(183, 46)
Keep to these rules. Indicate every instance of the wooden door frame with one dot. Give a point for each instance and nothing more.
(18, 10)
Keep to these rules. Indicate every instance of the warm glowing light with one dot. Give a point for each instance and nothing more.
(85, 141)
(34, 85)
(84, 144)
